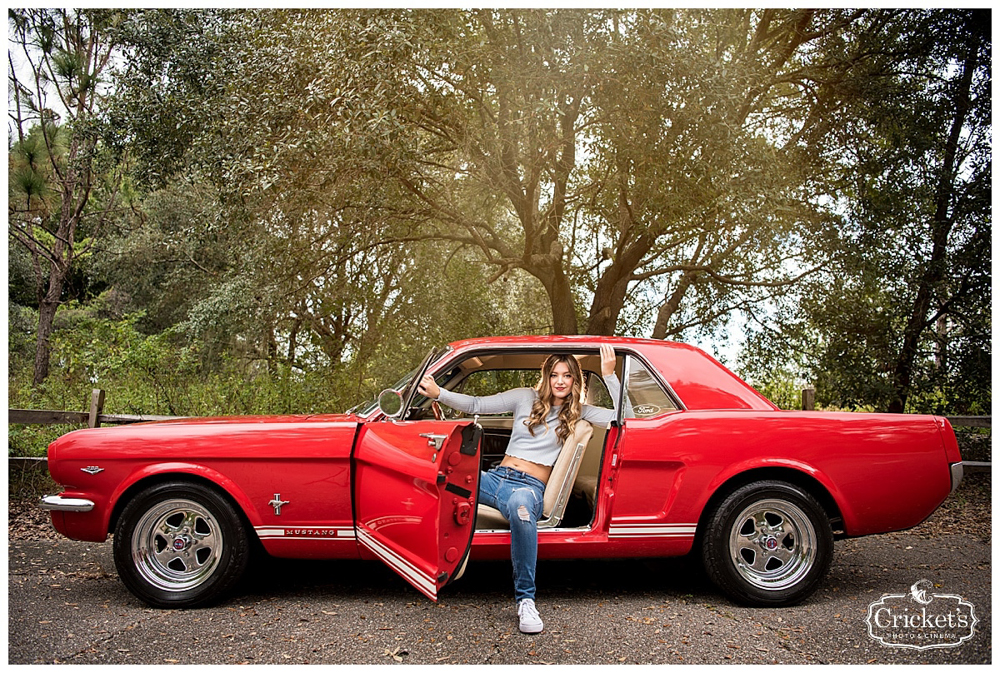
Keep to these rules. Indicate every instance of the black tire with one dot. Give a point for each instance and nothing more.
(180, 545)
(767, 543)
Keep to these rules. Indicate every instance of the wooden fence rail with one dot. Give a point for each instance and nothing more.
(93, 418)
(47, 417)
(971, 421)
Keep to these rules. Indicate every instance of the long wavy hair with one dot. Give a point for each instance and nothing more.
(569, 414)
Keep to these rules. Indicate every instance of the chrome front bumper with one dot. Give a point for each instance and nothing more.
(957, 471)
(60, 504)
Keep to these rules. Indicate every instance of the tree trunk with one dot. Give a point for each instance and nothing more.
(606, 307)
(561, 299)
(940, 229)
(671, 305)
(43, 348)
(272, 349)
(612, 287)
(292, 339)
(48, 303)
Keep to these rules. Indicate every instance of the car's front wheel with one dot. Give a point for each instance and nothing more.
(180, 545)
(767, 543)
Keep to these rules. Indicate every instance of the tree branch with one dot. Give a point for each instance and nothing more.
(727, 280)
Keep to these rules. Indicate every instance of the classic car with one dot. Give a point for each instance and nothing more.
(703, 464)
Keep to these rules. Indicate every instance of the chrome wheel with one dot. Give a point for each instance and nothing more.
(180, 544)
(773, 544)
(176, 545)
(767, 543)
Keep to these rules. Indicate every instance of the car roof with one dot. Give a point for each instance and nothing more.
(565, 340)
(698, 379)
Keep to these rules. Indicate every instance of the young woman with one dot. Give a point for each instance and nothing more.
(544, 416)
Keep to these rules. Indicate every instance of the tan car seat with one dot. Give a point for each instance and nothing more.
(558, 488)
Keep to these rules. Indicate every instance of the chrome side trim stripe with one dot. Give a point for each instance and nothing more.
(652, 530)
(423, 582)
(305, 532)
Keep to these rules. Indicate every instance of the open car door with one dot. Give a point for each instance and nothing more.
(415, 490)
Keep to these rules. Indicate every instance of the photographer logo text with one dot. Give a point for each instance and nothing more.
(921, 620)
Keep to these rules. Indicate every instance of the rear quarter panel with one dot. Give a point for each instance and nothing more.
(884, 471)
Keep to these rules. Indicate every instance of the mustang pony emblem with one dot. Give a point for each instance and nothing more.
(276, 503)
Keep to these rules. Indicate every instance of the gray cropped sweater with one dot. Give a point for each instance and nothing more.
(542, 448)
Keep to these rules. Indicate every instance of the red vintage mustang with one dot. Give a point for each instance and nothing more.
(705, 465)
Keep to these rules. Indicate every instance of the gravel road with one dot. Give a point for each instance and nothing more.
(66, 605)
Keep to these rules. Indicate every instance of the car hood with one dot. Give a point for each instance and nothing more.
(228, 437)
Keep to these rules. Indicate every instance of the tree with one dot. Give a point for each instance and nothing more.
(648, 171)
(901, 321)
(270, 229)
(601, 151)
(62, 192)
(954, 197)
(706, 162)
(607, 154)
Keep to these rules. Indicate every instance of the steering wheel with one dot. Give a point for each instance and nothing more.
(436, 408)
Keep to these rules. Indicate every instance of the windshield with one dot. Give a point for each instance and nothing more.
(365, 408)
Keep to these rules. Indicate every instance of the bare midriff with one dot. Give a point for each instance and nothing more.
(540, 472)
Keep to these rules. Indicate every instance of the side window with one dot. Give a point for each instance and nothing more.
(644, 392)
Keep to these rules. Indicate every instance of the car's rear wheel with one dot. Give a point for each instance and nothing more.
(768, 543)
(180, 545)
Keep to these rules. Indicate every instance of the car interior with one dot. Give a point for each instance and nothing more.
(570, 493)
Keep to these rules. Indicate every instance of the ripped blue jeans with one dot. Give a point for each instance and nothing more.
(518, 497)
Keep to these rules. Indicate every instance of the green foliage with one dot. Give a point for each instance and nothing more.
(544, 139)
(182, 371)
(31, 187)
(62, 187)
(157, 374)
(286, 209)
(783, 390)
(900, 319)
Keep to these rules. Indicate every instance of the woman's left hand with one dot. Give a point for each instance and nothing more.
(607, 360)
(428, 388)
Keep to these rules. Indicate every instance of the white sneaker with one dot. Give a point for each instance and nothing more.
(528, 614)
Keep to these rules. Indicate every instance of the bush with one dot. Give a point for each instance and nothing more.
(159, 374)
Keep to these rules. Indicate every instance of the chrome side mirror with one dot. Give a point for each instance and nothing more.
(390, 402)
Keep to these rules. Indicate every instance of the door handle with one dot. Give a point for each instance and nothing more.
(437, 441)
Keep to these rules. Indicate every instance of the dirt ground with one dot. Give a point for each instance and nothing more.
(68, 606)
